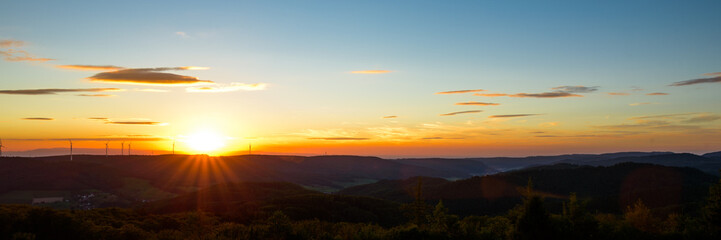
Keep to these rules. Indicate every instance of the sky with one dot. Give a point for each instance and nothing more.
(382, 78)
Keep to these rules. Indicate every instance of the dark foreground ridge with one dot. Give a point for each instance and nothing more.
(607, 196)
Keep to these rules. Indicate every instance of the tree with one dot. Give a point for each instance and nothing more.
(639, 216)
(417, 211)
(579, 222)
(441, 221)
(534, 221)
(712, 209)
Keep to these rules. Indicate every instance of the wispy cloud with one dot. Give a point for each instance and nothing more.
(231, 88)
(10, 50)
(149, 76)
(560, 92)
(340, 138)
(478, 103)
(182, 34)
(715, 79)
(461, 91)
(702, 119)
(546, 95)
(370, 71)
(93, 139)
(665, 116)
(49, 91)
(461, 112)
(39, 118)
(90, 67)
(657, 94)
(576, 89)
(95, 95)
(641, 103)
(512, 115)
(136, 123)
(98, 118)
(393, 116)
(11, 43)
(618, 94)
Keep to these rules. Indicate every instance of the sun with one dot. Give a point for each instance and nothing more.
(205, 141)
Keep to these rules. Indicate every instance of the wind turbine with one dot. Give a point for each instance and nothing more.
(71, 149)
(122, 148)
(1, 147)
(106, 149)
(173, 146)
(129, 148)
(250, 149)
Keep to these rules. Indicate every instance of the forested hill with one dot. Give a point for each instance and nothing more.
(610, 189)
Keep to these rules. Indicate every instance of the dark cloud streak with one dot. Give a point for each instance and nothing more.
(461, 112)
(50, 91)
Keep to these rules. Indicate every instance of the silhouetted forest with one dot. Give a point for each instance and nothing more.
(530, 219)
(197, 197)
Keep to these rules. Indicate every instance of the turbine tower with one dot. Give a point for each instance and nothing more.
(173, 146)
(122, 148)
(129, 148)
(71, 149)
(1, 147)
(106, 149)
(250, 149)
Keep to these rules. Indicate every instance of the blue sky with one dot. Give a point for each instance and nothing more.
(305, 50)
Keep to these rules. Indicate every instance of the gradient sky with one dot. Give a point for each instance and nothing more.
(386, 78)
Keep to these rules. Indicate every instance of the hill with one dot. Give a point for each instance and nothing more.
(610, 189)
(248, 201)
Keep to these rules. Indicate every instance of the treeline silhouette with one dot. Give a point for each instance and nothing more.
(528, 220)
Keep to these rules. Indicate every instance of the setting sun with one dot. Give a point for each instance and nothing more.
(205, 141)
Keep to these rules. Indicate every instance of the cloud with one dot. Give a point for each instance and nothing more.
(371, 72)
(390, 116)
(128, 139)
(618, 94)
(490, 94)
(39, 118)
(182, 34)
(576, 89)
(715, 79)
(461, 112)
(98, 118)
(562, 91)
(90, 67)
(702, 118)
(151, 76)
(340, 138)
(233, 87)
(136, 123)
(13, 54)
(478, 103)
(652, 125)
(558, 94)
(461, 91)
(665, 116)
(641, 103)
(11, 43)
(657, 94)
(513, 115)
(49, 91)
